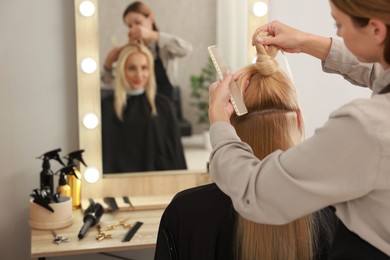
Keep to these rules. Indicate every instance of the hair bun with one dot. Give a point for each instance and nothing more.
(265, 62)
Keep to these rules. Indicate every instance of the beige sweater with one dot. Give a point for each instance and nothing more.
(345, 164)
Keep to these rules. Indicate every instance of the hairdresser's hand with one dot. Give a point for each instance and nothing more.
(292, 40)
(285, 37)
(140, 33)
(112, 57)
(220, 108)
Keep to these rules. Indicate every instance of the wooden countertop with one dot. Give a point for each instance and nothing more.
(42, 240)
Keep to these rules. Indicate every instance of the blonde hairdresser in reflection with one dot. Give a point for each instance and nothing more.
(139, 127)
(200, 223)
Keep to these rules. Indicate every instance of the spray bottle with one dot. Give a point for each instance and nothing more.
(74, 180)
(46, 175)
(63, 187)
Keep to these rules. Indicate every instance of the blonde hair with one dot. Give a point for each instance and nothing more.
(121, 84)
(273, 122)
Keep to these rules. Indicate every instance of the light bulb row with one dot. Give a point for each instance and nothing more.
(89, 65)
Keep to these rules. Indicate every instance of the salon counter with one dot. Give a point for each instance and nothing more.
(149, 193)
(42, 244)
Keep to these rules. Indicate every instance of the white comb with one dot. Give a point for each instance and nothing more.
(221, 68)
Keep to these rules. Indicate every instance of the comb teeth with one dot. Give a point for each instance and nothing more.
(132, 231)
(221, 68)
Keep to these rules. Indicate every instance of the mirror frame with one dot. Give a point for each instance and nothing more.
(88, 93)
(132, 184)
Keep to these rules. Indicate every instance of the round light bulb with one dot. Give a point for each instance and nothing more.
(260, 9)
(90, 121)
(87, 8)
(91, 175)
(88, 65)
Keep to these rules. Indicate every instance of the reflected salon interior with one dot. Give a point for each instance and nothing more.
(63, 53)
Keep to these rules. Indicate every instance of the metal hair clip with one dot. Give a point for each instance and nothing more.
(59, 239)
(101, 236)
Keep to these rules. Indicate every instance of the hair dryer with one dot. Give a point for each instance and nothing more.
(91, 217)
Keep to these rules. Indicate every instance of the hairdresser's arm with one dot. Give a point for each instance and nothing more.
(293, 41)
(335, 57)
(112, 57)
(287, 185)
(341, 61)
(174, 45)
(141, 33)
(107, 76)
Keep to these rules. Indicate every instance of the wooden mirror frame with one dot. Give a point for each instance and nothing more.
(232, 41)
(134, 184)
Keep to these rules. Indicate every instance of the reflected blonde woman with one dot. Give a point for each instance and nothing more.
(124, 87)
(139, 127)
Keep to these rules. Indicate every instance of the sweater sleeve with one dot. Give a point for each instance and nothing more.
(107, 78)
(284, 186)
(341, 61)
(174, 45)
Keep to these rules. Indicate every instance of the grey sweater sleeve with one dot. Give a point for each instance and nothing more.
(341, 61)
(287, 185)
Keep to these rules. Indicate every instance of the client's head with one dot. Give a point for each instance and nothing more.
(134, 73)
(274, 120)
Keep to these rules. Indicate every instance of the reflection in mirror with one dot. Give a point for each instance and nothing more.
(139, 129)
(196, 22)
(196, 28)
(87, 34)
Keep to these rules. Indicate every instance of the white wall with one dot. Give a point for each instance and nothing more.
(232, 32)
(319, 93)
(38, 108)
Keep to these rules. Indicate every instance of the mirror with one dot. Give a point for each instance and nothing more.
(88, 80)
(135, 184)
(112, 33)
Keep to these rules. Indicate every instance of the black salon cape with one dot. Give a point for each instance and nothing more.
(349, 246)
(141, 142)
(199, 223)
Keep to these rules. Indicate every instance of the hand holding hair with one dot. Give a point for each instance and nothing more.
(141, 33)
(292, 40)
(285, 37)
(112, 57)
(220, 107)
